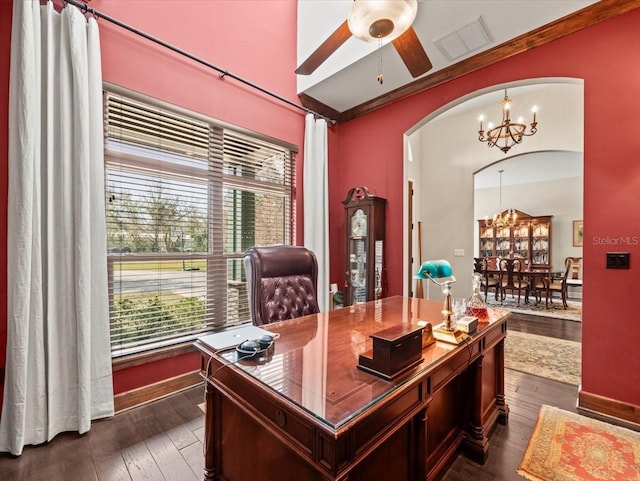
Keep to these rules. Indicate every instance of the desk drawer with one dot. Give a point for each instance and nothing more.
(493, 337)
(443, 374)
(374, 426)
(283, 416)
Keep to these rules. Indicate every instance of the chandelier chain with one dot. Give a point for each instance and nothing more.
(499, 220)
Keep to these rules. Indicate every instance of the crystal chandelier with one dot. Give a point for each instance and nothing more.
(499, 220)
(507, 134)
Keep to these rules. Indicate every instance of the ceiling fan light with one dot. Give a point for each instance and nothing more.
(366, 17)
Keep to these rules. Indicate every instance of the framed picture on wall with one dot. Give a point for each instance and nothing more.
(577, 233)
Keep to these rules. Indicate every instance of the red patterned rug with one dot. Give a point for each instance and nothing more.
(568, 447)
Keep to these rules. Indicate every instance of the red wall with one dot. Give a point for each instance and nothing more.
(370, 152)
(253, 40)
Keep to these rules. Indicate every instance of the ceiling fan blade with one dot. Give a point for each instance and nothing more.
(412, 54)
(322, 53)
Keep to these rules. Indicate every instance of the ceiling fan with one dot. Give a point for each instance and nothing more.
(374, 20)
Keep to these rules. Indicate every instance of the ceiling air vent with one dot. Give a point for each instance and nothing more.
(465, 39)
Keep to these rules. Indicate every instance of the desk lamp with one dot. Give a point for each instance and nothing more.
(441, 274)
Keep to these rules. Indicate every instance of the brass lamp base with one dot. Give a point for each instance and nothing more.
(445, 335)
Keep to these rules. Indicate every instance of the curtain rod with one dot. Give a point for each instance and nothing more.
(224, 73)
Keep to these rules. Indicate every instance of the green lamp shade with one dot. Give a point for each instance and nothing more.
(434, 270)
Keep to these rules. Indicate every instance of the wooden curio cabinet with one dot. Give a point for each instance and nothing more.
(529, 238)
(364, 254)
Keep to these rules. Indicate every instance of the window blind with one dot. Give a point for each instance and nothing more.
(185, 199)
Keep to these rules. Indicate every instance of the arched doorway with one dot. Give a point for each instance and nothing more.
(442, 154)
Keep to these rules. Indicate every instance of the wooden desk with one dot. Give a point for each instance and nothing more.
(308, 413)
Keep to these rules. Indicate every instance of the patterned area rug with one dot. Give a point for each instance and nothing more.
(573, 311)
(548, 357)
(570, 447)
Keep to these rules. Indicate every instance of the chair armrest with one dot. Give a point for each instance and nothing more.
(556, 276)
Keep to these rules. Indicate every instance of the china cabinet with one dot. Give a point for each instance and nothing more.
(529, 238)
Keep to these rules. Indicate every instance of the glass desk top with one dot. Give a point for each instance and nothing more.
(314, 359)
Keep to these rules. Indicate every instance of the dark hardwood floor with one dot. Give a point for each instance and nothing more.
(163, 441)
(546, 326)
(160, 441)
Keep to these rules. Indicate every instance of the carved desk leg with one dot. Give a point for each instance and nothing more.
(477, 443)
(503, 408)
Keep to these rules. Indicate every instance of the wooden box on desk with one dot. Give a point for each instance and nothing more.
(394, 351)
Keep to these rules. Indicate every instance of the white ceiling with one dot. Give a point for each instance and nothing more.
(531, 168)
(552, 99)
(348, 77)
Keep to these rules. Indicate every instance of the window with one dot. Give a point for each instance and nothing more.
(185, 197)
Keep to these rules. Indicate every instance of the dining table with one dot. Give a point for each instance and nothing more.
(539, 278)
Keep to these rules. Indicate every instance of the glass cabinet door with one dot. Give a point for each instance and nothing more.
(521, 240)
(540, 245)
(358, 269)
(486, 241)
(503, 241)
(378, 279)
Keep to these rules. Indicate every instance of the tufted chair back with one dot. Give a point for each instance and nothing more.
(282, 283)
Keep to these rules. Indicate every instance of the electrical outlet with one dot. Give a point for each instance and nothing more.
(458, 252)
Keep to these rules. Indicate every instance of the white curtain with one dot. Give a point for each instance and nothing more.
(316, 201)
(58, 368)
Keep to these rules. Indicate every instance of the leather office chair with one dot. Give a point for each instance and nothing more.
(282, 283)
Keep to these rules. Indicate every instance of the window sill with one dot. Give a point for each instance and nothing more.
(133, 360)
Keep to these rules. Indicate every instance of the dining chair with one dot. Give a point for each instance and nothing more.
(478, 265)
(559, 284)
(488, 280)
(538, 282)
(512, 278)
(574, 277)
(282, 283)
